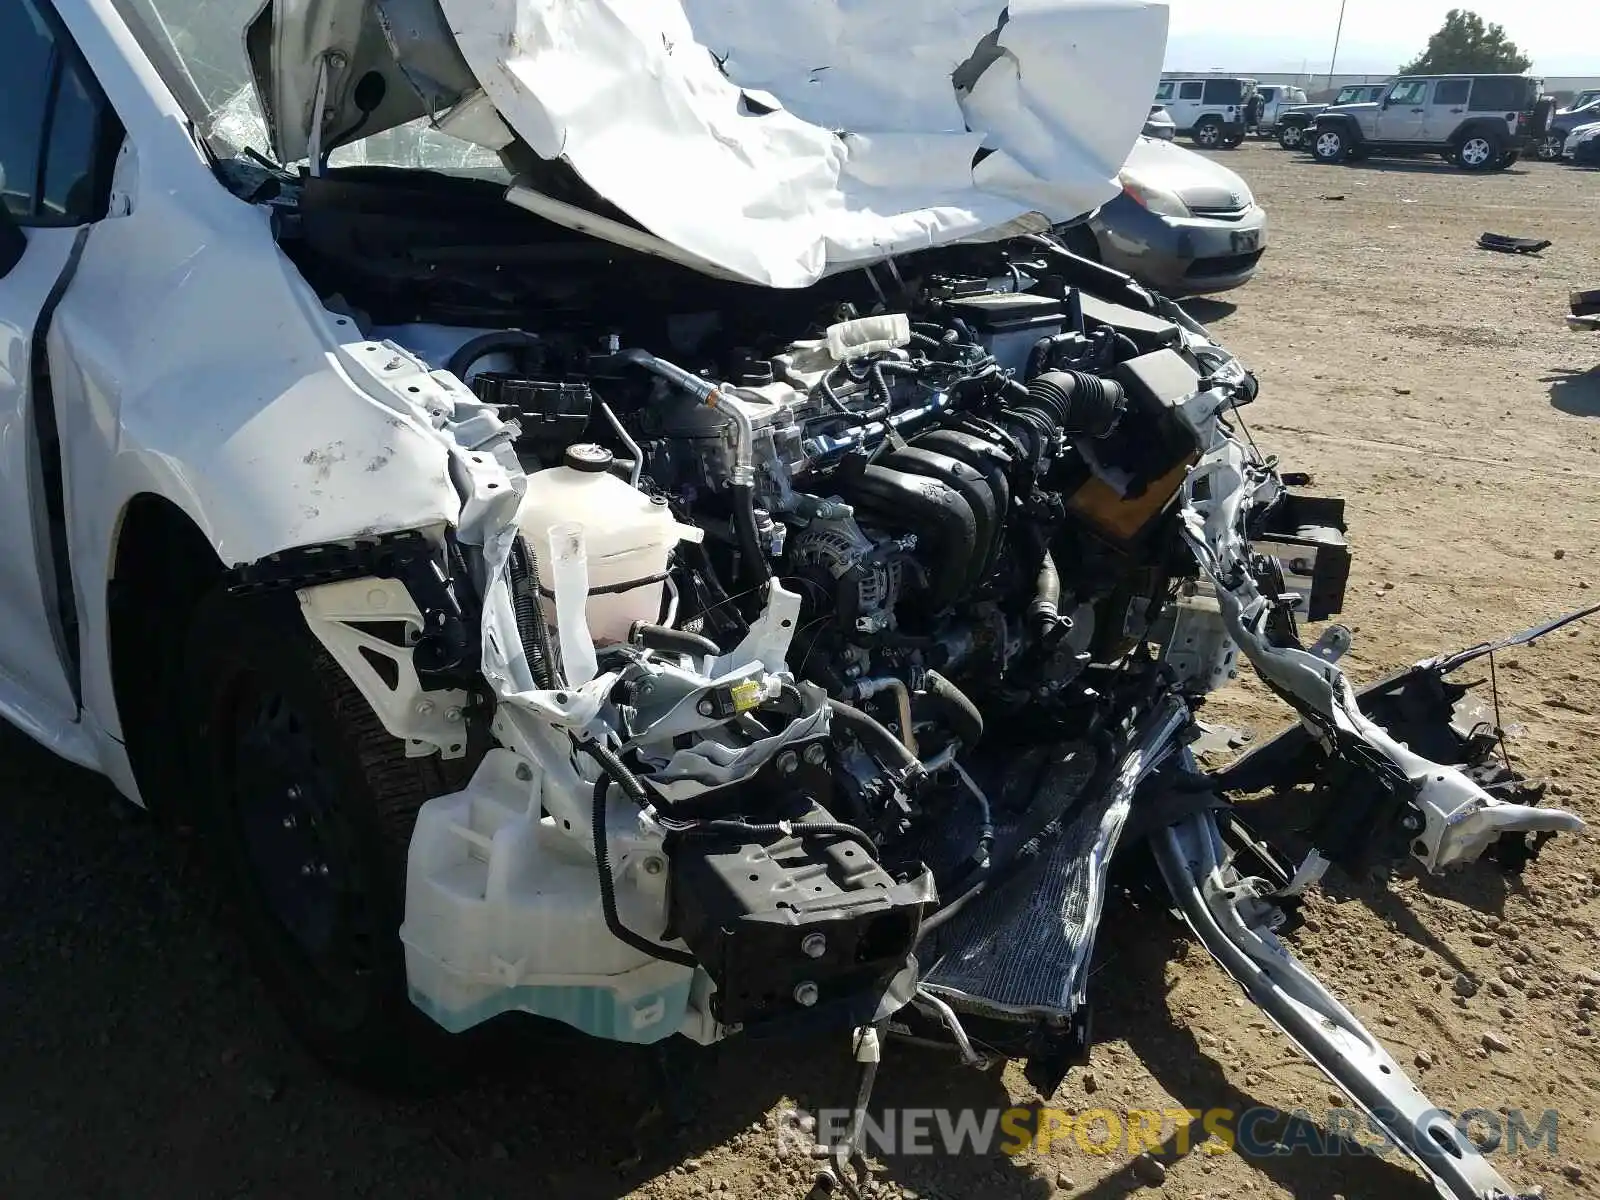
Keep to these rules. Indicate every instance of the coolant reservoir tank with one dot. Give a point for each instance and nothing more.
(627, 534)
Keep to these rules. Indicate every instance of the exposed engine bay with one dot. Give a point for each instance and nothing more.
(824, 647)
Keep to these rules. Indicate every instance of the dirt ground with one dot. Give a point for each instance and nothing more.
(1433, 384)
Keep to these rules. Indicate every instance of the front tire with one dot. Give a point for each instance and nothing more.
(1292, 137)
(1208, 134)
(1330, 146)
(306, 804)
(1550, 148)
(1478, 152)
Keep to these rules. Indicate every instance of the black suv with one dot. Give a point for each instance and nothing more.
(1294, 122)
(1478, 122)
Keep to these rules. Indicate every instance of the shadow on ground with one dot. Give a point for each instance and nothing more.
(1208, 310)
(1576, 392)
(1419, 166)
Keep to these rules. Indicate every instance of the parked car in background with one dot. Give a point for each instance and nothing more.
(1293, 121)
(1160, 124)
(1583, 146)
(1563, 124)
(1276, 99)
(1209, 109)
(1184, 224)
(1478, 122)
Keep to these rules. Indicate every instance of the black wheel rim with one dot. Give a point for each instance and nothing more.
(300, 858)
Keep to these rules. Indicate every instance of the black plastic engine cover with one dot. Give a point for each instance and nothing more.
(1148, 332)
(794, 925)
(1151, 443)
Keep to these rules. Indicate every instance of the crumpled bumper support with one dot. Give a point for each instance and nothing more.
(1233, 920)
(1365, 812)
(1456, 819)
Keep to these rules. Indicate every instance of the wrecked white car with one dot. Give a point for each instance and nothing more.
(623, 512)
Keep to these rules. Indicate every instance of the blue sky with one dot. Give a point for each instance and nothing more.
(1562, 36)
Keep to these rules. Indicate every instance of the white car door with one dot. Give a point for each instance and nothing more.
(1191, 95)
(49, 138)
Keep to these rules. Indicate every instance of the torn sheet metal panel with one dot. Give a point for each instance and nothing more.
(666, 110)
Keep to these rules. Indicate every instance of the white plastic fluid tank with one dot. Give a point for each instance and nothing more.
(628, 537)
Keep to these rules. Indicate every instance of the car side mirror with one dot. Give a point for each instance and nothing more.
(13, 242)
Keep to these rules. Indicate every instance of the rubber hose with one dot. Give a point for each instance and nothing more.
(744, 528)
(613, 770)
(1080, 404)
(960, 713)
(1045, 611)
(874, 736)
(671, 641)
(471, 351)
(880, 388)
(531, 627)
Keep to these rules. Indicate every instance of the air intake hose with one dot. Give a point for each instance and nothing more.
(1077, 404)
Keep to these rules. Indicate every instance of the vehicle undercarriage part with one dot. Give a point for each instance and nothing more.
(1350, 797)
(1234, 918)
(832, 706)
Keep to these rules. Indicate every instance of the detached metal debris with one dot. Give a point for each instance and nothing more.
(1506, 244)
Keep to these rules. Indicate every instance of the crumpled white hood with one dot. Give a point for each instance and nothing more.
(871, 149)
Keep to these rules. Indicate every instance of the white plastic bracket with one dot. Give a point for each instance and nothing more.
(380, 668)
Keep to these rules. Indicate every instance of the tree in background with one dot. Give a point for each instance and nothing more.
(1465, 45)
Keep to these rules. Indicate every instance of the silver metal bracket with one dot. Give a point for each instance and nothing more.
(1229, 914)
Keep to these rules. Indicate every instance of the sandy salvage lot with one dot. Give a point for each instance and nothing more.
(1432, 384)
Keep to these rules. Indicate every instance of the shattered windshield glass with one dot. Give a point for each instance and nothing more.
(205, 40)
